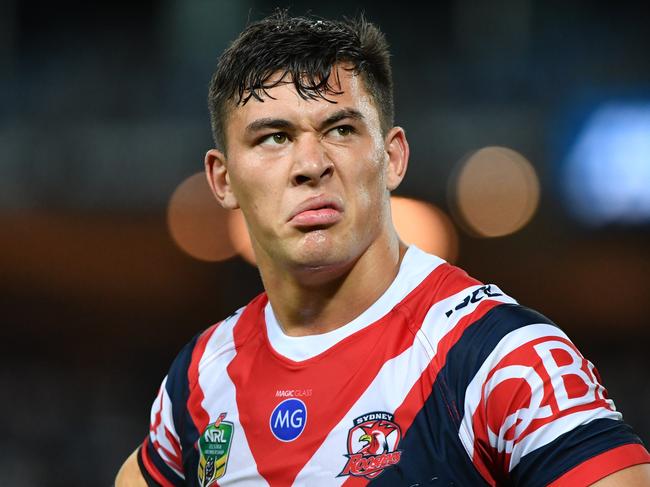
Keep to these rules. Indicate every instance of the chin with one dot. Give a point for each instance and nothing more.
(318, 250)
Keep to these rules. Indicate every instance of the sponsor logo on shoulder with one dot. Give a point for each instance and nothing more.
(372, 445)
(288, 419)
(534, 388)
(214, 449)
(477, 295)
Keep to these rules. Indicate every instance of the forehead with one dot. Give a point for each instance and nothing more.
(283, 101)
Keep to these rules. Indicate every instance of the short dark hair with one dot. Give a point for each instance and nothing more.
(304, 50)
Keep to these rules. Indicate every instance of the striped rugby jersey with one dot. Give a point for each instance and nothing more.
(442, 381)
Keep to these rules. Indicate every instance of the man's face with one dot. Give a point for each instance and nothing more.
(311, 177)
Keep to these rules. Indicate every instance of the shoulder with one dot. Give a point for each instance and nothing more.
(433, 282)
(461, 312)
(211, 346)
(518, 390)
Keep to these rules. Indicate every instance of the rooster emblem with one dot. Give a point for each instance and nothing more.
(372, 445)
(376, 437)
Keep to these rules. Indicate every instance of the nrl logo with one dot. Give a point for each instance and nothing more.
(372, 445)
(214, 447)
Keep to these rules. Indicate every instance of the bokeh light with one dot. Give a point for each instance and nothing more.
(494, 192)
(607, 171)
(239, 236)
(197, 223)
(426, 226)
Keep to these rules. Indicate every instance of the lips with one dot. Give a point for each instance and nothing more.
(317, 211)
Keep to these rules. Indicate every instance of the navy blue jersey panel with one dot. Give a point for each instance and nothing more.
(432, 454)
(178, 390)
(545, 464)
(145, 473)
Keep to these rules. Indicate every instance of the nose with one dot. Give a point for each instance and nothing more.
(311, 163)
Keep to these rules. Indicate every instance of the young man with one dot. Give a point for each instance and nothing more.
(365, 361)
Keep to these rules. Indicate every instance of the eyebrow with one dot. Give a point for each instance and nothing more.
(280, 123)
(267, 123)
(342, 115)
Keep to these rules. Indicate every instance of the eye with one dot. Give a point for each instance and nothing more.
(278, 138)
(343, 130)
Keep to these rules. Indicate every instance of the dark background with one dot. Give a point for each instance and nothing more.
(103, 114)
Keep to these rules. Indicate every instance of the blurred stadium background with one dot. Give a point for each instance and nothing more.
(529, 124)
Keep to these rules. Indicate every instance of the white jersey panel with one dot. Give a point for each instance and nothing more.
(439, 323)
(162, 417)
(220, 397)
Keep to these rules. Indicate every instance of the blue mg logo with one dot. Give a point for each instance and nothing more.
(288, 419)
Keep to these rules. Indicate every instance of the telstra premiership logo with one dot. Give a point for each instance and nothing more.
(288, 419)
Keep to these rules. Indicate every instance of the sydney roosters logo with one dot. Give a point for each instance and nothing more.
(372, 445)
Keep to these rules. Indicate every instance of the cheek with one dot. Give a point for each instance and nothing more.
(254, 187)
(372, 172)
(370, 195)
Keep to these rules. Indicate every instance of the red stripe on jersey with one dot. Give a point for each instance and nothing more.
(158, 417)
(174, 456)
(151, 468)
(199, 415)
(421, 390)
(602, 465)
(328, 388)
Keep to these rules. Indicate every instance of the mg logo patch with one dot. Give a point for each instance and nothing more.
(288, 419)
(372, 445)
(214, 448)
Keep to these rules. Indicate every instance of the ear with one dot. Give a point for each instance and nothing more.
(219, 180)
(397, 148)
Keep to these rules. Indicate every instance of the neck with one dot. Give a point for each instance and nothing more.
(309, 302)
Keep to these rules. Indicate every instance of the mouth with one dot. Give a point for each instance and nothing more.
(319, 211)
